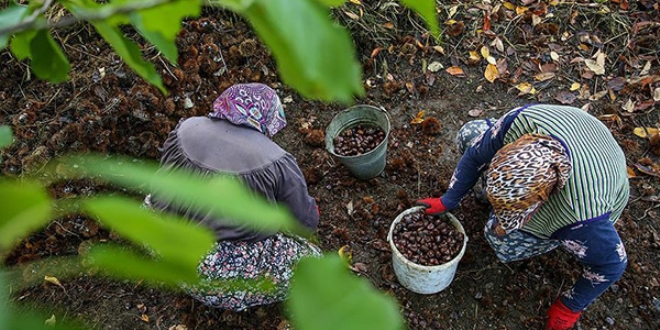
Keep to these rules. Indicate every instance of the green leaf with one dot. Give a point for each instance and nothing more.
(340, 300)
(48, 60)
(6, 136)
(166, 235)
(223, 197)
(332, 3)
(130, 53)
(20, 44)
(25, 207)
(125, 264)
(10, 17)
(426, 9)
(235, 5)
(314, 55)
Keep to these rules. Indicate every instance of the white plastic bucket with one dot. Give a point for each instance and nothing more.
(424, 279)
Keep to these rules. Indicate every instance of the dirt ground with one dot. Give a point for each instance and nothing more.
(106, 108)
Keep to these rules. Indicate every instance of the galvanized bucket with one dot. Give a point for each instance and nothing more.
(372, 163)
(424, 279)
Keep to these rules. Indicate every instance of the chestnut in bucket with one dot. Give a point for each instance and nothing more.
(427, 240)
(358, 140)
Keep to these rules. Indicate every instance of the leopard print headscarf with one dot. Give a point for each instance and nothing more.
(522, 175)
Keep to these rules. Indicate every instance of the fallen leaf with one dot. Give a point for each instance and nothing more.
(598, 96)
(491, 73)
(653, 170)
(616, 84)
(536, 20)
(656, 94)
(475, 112)
(435, 66)
(554, 56)
(349, 208)
(543, 76)
(485, 52)
(345, 254)
(454, 28)
(631, 172)
(487, 23)
(145, 318)
(646, 69)
(419, 118)
(629, 106)
(352, 15)
(594, 66)
(526, 88)
(491, 60)
(509, 5)
(455, 71)
(359, 267)
(439, 49)
(376, 51)
(53, 280)
(178, 327)
(575, 86)
(357, 2)
(474, 57)
(452, 11)
(368, 199)
(520, 10)
(644, 132)
(51, 321)
(609, 117)
(388, 25)
(565, 97)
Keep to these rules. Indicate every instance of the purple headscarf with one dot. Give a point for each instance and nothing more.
(253, 105)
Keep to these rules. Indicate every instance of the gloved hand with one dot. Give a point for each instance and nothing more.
(433, 206)
(561, 317)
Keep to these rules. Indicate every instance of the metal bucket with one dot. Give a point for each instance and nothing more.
(372, 163)
(424, 279)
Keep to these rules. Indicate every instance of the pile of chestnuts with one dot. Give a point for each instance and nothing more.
(358, 140)
(427, 240)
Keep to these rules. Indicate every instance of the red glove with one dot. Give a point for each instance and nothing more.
(561, 317)
(318, 210)
(433, 206)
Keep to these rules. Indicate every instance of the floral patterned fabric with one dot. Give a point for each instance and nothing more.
(253, 105)
(272, 258)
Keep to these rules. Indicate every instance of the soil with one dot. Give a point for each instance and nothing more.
(106, 108)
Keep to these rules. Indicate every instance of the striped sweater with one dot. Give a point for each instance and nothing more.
(598, 185)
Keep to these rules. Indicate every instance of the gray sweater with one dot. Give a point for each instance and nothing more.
(208, 146)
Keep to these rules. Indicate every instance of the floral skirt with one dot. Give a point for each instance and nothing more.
(273, 259)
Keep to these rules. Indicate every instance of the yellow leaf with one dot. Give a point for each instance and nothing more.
(450, 22)
(521, 10)
(485, 52)
(346, 254)
(452, 11)
(144, 317)
(509, 5)
(543, 76)
(491, 73)
(631, 172)
(491, 60)
(52, 280)
(419, 118)
(439, 49)
(357, 2)
(575, 86)
(474, 55)
(645, 132)
(526, 88)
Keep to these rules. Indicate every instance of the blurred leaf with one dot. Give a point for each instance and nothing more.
(419, 117)
(20, 44)
(426, 9)
(4, 303)
(166, 235)
(6, 136)
(491, 73)
(10, 17)
(340, 300)
(123, 263)
(345, 254)
(335, 3)
(51, 321)
(301, 47)
(26, 207)
(130, 53)
(47, 59)
(224, 197)
(52, 280)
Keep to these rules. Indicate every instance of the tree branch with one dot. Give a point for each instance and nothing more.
(103, 13)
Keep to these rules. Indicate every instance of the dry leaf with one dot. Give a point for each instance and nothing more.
(536, 20)
(543, 76)
(144, 317)
(455, 71)
(491, 60)
(526, 88)
(475, 113)
(629, 106)
(474, 58)
(644, 132)
(491, 73)
(439, 49)
(419, 118)
(575, 86)
(345, 254)
(485, 52)
(631, 172)
(498, 44)
(454, 28)
(388, 25)
(521, 10)
(656, 94)
(352, 15)
(435, 66)
(594, 66)
(359, 267)
(554, 56)
(452, 10)
(609, 117)
(357, 2)
(652, 170)
(178, 327)
(598, 96)
(349, 208)
(52, 280)
(646, 69)
(565, 97)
